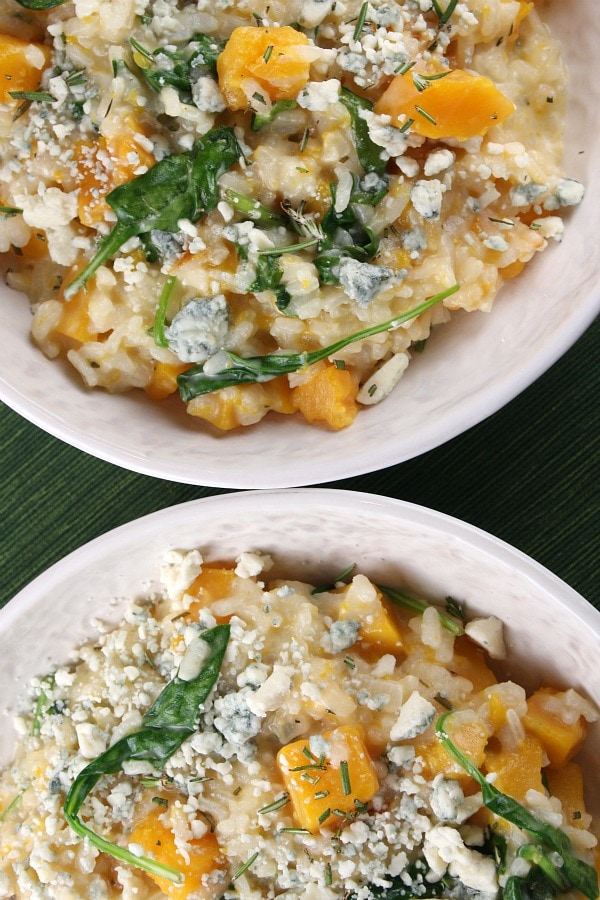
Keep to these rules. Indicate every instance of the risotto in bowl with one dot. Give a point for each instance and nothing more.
(244, 228)
(338, 696)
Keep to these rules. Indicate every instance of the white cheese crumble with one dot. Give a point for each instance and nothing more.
(199, 329)
(415, 717)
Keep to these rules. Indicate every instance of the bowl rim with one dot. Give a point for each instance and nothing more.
(334, 499)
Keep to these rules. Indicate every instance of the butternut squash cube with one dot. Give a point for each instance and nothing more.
(213, 583)
(205, 858)
(164, 379)
(566, 783)
(469, 661)
(243, 404)
(21, 66)
(328, 396)
(518, 770)
(468, 734)
(273, 58)
(443, 104)
(559, 739)
(327, 789)
(377, 624)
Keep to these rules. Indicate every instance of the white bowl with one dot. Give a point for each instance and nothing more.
(471, 367)
(553, 634)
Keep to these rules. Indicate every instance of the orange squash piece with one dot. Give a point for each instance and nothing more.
(455, 104)
(469, 661)
(328, 396)
(566, 783)
(317, 787)
(466, 734)
(377, 624)
(213, 583)
(75, 320)
(559, 739)
(243, 404)
(17, 72)
(517, 771)
(270, 56)
(104, 165)
(164, 379)
(205, 858)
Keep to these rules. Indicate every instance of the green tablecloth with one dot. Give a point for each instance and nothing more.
(528, 475)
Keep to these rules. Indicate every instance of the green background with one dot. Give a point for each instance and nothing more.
(527, 474)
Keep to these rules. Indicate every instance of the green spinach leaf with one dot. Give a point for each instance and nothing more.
(255, 369)
(182, 186)
(40, 4)
(179, 68)
(578, 874)
(268, 278)
(170, 720)
(369, 153)
(259, 120)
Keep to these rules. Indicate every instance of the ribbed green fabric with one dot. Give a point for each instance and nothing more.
(528, 475)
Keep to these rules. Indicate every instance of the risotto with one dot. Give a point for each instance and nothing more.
(240, 738)
(266, 205)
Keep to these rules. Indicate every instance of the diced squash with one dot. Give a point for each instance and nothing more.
(213, 583)
(75, 320)
(377, 624)
(164, 379)
(243, 404)
(566, 784)
(559, 739)
(517, 771)
(21, 66)
(328, 396)
(107, 163)
(468, 734)
(457, 104)
(205, 858)
(317, 787)
(272, 58)
(469, 662)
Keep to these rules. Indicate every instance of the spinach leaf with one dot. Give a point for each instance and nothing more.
(169, 721)
(259, 120)
(255, 369)
(369, 153)
(179, 68)
(578, 874)
(345, 235)
(182, 186)
(160, 316)
(449, 622)
(268, 278)
(40, 4)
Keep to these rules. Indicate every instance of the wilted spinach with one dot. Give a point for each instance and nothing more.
(182, 186)
(179, 68)
(170, 720)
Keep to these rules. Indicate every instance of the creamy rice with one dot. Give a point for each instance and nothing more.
(314, 769)
(388, 203)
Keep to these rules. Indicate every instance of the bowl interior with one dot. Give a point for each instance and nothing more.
(536, 319)
(552, 632)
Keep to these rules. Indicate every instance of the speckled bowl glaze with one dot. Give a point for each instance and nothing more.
(472, 367)
(552, 633)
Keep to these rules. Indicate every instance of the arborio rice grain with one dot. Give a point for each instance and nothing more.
(319, 763)
(357, 158)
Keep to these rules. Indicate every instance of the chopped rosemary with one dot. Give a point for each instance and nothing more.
(267, 53)
(345, 778)
(276, 804)
(293, 831)
(425, 114)
(8, 211)
(33, 96)
(320, 795)
(161, 801)
(444, 14)
(243, 868)
(290, 248)
(324, 816)
(5, 812)
(312, 766)
(313, 779)
(360, 23)
(328, 874)
(349, 662)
